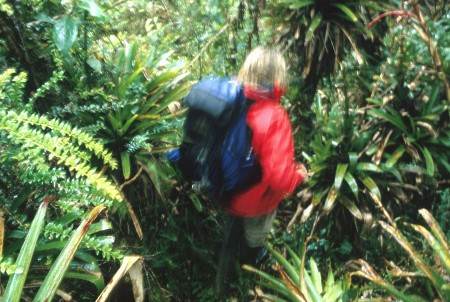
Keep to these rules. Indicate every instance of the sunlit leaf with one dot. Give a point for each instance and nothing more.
(352, 183)
(346, 11)
(340, 173)
(368, 167)
(16, 281)
(126, 165)
(315, 22)
(92, 7)
(351, 206)
(395, 156)
(330, 201)
(55, 275)
(429, 163)
(196, 202)
(66, 31)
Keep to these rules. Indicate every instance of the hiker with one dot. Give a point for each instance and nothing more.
(252, 211)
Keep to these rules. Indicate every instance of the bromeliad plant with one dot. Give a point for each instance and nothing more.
(318, 32)
(431, 280)
(393, 142)
(137, 123)
(296, 283)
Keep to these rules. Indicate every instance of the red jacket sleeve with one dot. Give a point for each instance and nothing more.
(275, 149)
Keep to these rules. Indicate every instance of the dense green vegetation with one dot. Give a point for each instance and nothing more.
(90, 101)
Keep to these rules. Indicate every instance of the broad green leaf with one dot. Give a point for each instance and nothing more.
(373, 188)
(94, 279)
(394, 120)
(126, 165)
(301, 3)
(16, 281)
(128, 123)
(102, 225)
(340, 173)
(92, 7)
(434, 226)
(312, 291)
(66, 219)
(368, 167)
(315, 22)
(316, 278)
(352, 183)
(54, 277)
(350, 205)
(331, 198)
(346, 11)
(196, 202)
(395, 156)
(439, 250)
(291, 271)
(174, 95)
(163, 78)
(65, 33)
(114, 122)
(329, 284)
(429, 163)
(353, 160)
(95, 64)
(273, 283)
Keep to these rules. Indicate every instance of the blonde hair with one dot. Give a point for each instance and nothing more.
(263, 68)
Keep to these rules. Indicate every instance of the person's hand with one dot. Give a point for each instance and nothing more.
(303, 172)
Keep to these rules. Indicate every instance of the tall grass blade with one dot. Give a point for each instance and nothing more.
(273, 283)
(16, 282)
(438, 249)
(431, 273)
(435, 228)
(54, 277)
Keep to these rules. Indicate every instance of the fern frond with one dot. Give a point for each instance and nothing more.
(100, 244)
(81, 137)
(59, 148)
(58, 75)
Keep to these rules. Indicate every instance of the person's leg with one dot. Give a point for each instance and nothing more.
(255, 230)
(232, 238)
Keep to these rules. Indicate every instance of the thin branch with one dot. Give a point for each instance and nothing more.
(392, 13)
(132, 179)
(207, 45)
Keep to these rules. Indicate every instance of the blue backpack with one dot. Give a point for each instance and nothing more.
(215, 153)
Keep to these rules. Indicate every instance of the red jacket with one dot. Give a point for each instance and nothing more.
(273, 145)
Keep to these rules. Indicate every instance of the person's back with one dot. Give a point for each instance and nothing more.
(263, 76)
